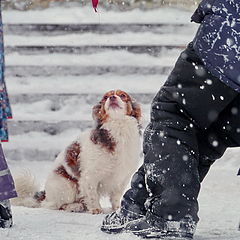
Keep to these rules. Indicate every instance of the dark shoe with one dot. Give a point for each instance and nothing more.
(116, 221)
(183, 229)
(5, 214)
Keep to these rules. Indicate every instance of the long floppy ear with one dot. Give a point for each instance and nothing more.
(98, 113)
(134, 110)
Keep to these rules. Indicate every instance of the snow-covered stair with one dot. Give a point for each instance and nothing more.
(52, 96)
(57, 72)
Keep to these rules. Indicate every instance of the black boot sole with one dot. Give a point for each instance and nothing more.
(165, 236)
(112, 230)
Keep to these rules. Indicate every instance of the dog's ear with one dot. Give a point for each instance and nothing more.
(99, 113)
(134, 110)
(96, 111)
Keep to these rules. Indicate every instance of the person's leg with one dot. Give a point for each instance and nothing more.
(179, 125)
(134, 199)
(189, 102)
(7, 191)
(211, 146)
(208, 153)
(223, 133)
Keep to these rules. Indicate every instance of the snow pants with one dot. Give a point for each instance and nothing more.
(7, 189)
(194, 119)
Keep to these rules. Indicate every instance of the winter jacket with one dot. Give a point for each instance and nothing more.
(7, 189)
(5, 109)
(217, 41)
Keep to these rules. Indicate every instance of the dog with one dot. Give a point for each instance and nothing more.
(100, 162)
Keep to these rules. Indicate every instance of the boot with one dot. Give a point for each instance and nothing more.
(5, 214)
(162, 229)
(117, 221)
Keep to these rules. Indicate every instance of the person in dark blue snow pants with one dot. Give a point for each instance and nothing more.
(194, 118)
(7, 189)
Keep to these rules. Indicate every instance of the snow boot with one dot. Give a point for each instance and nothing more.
(164, 229)
(5, 214)
(116, 222)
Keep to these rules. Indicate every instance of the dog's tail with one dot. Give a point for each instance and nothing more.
(27, 191)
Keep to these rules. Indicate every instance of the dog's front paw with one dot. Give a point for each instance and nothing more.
(96, 211)
(73, 207)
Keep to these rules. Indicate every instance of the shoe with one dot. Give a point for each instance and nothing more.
(5, 214)
(183, 229)
(116, 221)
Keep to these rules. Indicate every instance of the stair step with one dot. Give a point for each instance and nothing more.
(91, 84)
(106, 59)
(31, 154)
(59, 29)
(69, 110)
(37, 50)
(47, 71)
(92, 39)
(82, 98)
(38, 145)
(50, 128)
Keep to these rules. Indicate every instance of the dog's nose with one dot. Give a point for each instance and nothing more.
(113, 98)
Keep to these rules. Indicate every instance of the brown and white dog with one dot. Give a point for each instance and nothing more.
(98, 163)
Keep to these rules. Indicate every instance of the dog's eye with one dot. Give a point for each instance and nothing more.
(123, 95)
(105, 97)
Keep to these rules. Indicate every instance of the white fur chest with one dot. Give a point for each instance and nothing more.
(95, 159)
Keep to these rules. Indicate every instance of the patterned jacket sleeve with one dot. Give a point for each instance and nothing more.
(204, 8)
(217, 41)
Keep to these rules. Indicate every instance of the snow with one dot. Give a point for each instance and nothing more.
(219, 197)
(86, 15)
(64, 113)
(118, 58)
(219, 210)
(86, 84)
(127, 38)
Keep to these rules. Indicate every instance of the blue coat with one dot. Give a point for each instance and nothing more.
(5, 109)
(7, 189)
(217, 41)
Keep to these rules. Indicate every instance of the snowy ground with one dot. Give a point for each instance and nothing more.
(219, 210)
(219, 198)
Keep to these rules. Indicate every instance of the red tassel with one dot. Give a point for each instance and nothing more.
(95, 4)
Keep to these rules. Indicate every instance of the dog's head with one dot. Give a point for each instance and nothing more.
(116, 105)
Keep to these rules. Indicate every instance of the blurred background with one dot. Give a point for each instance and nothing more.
(109, 4)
